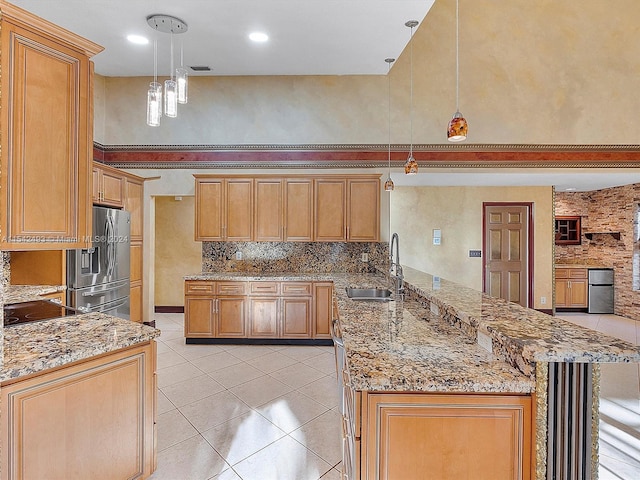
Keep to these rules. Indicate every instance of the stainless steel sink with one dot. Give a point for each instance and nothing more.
(374, 294)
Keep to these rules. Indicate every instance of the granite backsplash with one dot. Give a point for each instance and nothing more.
(295, 257)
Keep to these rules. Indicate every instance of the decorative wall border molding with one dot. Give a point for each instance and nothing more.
(368, 156)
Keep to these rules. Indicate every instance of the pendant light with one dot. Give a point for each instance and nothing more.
(388, 185)
(154, 94)
(457, 129)
(411, 166)
(171, 91)
(182, 78)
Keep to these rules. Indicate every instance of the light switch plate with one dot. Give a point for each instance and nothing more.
(364, 257)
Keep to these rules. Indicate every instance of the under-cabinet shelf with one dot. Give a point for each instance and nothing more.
(590, 235)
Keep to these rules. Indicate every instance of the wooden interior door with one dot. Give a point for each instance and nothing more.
(506, 251)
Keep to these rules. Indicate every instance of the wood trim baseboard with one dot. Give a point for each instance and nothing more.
(168, 309)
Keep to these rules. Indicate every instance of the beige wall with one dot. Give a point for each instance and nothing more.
(530, 72)
(457, 211)
(176, 253)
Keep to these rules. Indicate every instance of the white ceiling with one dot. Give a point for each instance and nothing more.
(307, 37)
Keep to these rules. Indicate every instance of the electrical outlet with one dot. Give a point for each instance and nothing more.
(364, 257)
(484, 341)
(543, 300)
(238, 255)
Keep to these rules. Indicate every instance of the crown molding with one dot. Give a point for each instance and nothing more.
(368, 156)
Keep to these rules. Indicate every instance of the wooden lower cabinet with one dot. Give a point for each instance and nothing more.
(94, 419)
(438, 436)
(571, 288)
(267, 309)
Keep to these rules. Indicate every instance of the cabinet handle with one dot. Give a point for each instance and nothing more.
(569, 282)
(201, 287)
(347, 233)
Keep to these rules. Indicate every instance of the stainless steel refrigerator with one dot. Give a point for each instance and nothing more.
(601, 298)
(98, 277)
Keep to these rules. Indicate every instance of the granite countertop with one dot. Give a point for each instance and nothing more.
(37, 346)
(27, 293)
(253, 277)
(581, 265)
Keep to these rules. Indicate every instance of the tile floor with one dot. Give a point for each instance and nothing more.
(230, 412)
(619, 400)
(270, 412)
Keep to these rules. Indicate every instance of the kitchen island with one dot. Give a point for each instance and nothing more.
(77, 397)
(463, 385)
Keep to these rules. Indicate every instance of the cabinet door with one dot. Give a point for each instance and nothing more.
(330, 215)
(199, 317)
(322, 311)
(96, 179)
(239, 210)
(296, 317)
(562, 292)
(46, 155)
(298, 210)
(209, 210)
(268, 210)
(363, 210)
(231, 317)
(484, 437)
(263, 315)
(112, 189)
(135, 302)
(133, 203)
(578, 291)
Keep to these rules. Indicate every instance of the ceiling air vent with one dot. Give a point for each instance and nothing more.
(200, 68)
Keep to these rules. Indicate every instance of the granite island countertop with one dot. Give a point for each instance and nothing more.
(38, 346)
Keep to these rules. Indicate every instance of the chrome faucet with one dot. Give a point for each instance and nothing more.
(395, 269)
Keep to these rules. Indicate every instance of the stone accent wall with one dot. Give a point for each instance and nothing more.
(295, 257)
(608, 210)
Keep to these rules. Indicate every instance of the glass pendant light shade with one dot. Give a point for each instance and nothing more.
(388, 185)
(183, 84)
(410, 166)
(170, 98)
(457, 129)
(154, 104)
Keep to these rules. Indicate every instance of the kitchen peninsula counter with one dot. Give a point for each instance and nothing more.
(27, 293)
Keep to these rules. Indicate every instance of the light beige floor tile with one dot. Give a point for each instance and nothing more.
(169, 322)
(297, 375)
(177, 373)
(214, 362)
(192, 390)
(322, 436)
(169, 359)
(192, 459)
(248, 352)
(579, 318)
(192, 352)
(301, 353)
(173, 428)
(164, 404)
(623, 328)
(271, 362)
(291, 411)
(167, 335)
(283, 460)
(214, 410)
(613, 469)
(162, 347)
(324, 390)
(333, 474)
(236, 374)
(325, 362)
(260, 390)
(227, 475)
(242, 436)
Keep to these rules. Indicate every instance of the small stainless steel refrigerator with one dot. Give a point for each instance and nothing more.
(601, 290)
(98, 277)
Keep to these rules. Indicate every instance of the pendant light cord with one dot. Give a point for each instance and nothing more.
(457, 58)
(411, 93)
(155, 59)
(389, 61)
(172, 72)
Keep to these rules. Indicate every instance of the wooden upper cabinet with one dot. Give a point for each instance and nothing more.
(363, 210)
(329, 204)
(108, 187)
(46, 135)
(133, 203)
(298, 210)
(268, 210)
(224, 209)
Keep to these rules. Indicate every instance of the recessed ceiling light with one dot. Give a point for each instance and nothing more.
(570, 189)
(138, 39)
(258, 37)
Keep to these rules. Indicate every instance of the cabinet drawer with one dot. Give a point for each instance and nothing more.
(296, 288)
(199, 287)
(578, 273)
(265, 288)
(231, 288)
